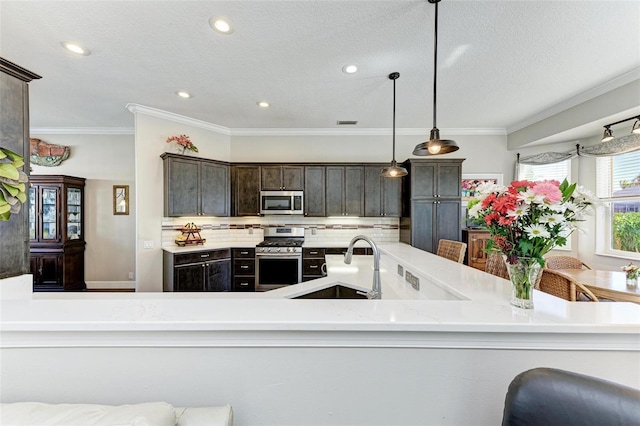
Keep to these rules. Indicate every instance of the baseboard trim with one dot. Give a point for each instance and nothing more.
(111, 285)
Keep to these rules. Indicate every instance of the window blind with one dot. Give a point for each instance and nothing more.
(554, 171)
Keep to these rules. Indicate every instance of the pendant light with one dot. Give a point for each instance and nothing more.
(394, 170)
(435, 145)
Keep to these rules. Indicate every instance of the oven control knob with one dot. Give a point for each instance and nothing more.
(290, 249)
(278, 249)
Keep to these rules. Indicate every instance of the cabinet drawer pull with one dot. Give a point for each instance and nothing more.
(204, 255)
(313, 266)
(313, 252)
(244, 267)
(244, 252)
(244, 284)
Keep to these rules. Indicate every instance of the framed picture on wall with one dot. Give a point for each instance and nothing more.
(470, 184)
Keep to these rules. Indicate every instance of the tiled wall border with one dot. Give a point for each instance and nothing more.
(317, 230)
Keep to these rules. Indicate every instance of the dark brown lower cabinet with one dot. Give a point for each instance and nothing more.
(244, 269)
(46, 268)
(197, 271)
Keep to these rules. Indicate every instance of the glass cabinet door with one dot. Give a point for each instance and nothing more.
(49, 214)
(74, 213)
(32, 213)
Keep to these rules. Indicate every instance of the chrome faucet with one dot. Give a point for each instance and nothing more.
(376, 290)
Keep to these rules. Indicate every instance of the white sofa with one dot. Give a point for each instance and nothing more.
(145, 414)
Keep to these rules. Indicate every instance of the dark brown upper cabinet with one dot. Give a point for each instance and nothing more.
(282, 178)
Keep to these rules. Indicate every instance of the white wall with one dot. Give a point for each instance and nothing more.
(484, 154)
(151, 134)
(104, 160)
(300, 385)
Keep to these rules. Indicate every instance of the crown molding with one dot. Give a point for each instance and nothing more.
(361, 132)
(82, 131)
(158, 113)
(606, 87)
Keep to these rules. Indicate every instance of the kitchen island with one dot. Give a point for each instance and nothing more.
(443, 354)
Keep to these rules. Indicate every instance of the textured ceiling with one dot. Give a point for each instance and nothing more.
(500, 62)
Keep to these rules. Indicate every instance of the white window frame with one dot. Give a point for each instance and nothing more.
(604, 217)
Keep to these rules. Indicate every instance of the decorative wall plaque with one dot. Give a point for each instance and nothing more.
(46, 154)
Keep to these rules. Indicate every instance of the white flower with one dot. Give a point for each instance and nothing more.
(529, 197)
(534, 231)
(552, 219)
(473, 211)
(519, 211)
(487, 188)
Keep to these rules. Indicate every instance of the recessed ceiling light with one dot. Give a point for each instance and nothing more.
(76, 48)
(349, 69)
(221, 25)
(263, 104)
(183, 94)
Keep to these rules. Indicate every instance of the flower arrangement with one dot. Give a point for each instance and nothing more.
(184, 142)
(632, 271)
(527, 219)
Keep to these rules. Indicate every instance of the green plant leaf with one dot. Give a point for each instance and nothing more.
(5, 216)
(11, 189)
(5, 208)
(9, 171)
(22, 197)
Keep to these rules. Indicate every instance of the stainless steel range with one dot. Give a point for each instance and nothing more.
(279, 258)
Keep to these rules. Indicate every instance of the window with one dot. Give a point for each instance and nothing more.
(554, 171)
(618, 187)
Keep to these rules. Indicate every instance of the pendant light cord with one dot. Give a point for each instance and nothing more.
(394, 120)
(435, 62)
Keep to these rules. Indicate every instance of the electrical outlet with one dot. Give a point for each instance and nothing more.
(148, 244)
(400, 270)
(250, 231)
(313, 231)
(413, 280)
(130, 275)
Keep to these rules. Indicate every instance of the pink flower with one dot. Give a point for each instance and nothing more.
(549, 190)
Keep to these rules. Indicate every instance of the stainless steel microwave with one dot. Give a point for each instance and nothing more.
(281, 202)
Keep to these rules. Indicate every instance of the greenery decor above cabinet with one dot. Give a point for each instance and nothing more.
(56, 232)
(195, 187)
(282, 178)
(432, 203)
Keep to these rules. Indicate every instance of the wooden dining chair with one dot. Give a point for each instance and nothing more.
(565, 262)
(452, 250)
(495, 265)
(564, 287)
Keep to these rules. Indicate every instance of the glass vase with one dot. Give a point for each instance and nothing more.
(524, 275)
(632, 282)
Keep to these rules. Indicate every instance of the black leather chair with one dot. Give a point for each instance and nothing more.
(548, 397)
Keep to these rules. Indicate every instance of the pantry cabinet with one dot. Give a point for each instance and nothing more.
(432, 203)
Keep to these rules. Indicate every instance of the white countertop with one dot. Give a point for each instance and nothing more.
(483, 305)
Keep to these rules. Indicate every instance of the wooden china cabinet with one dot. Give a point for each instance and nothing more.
(56, 232)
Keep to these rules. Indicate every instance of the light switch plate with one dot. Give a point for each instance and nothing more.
(148, 244)
(400, 270)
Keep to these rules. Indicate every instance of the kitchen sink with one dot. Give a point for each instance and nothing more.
(334, 292)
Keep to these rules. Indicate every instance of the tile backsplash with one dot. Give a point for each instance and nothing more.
(317, 229)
